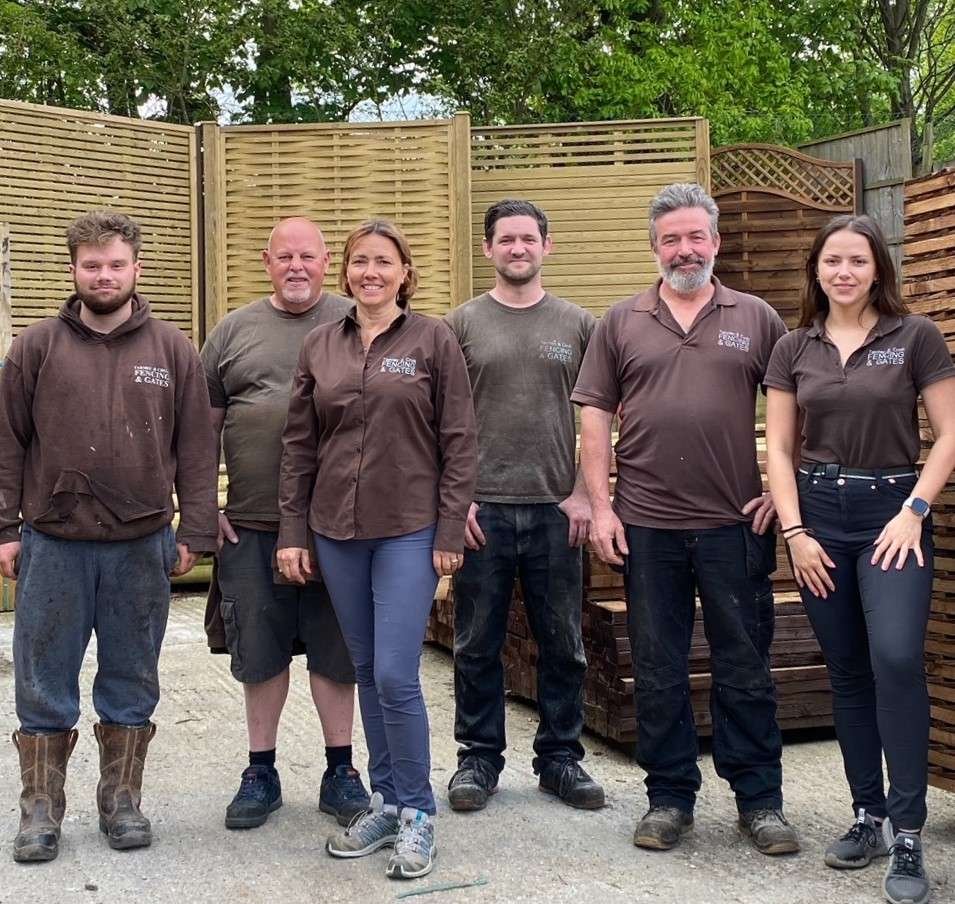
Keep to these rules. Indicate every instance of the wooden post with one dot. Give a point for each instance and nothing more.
(6, 302)
(213, 224)
(7, 587)
(459, 189)
(703, 153)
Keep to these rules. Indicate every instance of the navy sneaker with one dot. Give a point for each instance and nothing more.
(343, 795)
(259, 794)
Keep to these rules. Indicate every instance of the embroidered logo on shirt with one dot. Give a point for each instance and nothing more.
(879, 356)
(154, 376)
(555, 350)
(406, 366)
(734, 340)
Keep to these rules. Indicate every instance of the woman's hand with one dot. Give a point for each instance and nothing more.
(809, 561)
(294, 563)
(446, 562)
(901, 534)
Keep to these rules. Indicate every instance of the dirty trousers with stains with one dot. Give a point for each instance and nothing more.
(66, 589)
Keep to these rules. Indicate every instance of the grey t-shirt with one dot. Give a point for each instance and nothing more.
(249, 359)
(523, 364)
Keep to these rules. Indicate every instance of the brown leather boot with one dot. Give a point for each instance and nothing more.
(43, 759)
(122, 752)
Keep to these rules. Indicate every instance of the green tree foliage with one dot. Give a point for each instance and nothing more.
(759, 70)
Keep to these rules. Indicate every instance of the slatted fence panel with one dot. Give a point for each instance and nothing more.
(594, 181)
(339, 175)
(56, 164)
(772, 202)
(929, 288)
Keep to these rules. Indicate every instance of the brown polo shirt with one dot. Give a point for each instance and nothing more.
(863, 415)
(686, 454)
(379, 445)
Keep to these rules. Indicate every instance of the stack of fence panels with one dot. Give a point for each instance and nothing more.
(929, 288)
(802, 684)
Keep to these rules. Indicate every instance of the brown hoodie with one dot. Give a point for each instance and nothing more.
(96, 428)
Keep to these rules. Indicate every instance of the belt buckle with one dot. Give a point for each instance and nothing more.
(831, 472)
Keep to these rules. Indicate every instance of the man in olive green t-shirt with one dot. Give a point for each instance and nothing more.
(262, 620)
(530, 517)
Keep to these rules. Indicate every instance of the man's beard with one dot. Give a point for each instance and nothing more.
(101, 307)
(521, 279)
(687, 283)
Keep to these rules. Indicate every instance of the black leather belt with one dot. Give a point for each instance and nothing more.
(834, 471)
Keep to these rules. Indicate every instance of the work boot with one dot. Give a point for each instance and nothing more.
(770, 831)
(567, 779)
(472, 784)
(43, 759)
(859, 846)
(122, 752)
(342, 794)
(661, 828)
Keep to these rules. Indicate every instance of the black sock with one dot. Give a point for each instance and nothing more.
(262, 757)
(337, 756)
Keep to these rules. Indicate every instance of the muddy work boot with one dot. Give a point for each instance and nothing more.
(43, 759)
(567, 780)
(122, 752)
(472, 784)
(661, 828)
(771, 832)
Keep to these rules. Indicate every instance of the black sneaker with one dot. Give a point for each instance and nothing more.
(473, 783)
(259, 794)
(567, 780)
(906, 881)
(343, 795)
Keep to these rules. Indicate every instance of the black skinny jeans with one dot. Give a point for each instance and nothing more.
(872, 634)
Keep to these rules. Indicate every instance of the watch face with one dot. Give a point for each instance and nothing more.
(919, 506)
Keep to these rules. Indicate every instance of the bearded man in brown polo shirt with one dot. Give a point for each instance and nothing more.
(682, 362)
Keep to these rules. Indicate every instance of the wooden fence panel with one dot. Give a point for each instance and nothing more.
(56, 164)
(886, 155)
(339, 175)
(772, 202)
(594, 181)
(929, 288)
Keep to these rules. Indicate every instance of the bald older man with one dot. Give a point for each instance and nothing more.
(253, 613)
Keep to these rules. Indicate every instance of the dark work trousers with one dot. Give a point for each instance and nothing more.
(872, 634)
(529, 540)
(66, 589)
(729, 567)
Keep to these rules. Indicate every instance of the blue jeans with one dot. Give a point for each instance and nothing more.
(382, 591)
(67, 589)
(729, 567)
(872, 634)
(530, 541)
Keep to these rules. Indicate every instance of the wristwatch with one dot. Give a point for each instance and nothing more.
(919, 506)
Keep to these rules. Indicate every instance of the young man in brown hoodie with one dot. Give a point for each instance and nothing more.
(103, 409)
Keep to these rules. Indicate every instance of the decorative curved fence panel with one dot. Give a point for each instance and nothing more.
(772, 202)
(56, 164)
(594, 181)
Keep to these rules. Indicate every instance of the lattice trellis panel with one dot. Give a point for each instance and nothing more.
(56, 164)
(768, 168)
(339, 175)
(595, 181)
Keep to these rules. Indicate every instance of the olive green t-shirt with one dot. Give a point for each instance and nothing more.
(249, 359)
(523, 364)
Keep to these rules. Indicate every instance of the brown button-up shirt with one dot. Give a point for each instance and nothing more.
(686, 456)
(382, 444)
(863, 415)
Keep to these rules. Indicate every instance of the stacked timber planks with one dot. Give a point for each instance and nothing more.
(929, 288)
(802, 684)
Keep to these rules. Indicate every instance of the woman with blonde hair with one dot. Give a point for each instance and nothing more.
(855, 514)
(378, 468)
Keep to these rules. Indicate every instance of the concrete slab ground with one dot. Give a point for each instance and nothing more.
(526, 846)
